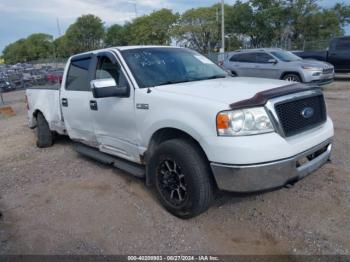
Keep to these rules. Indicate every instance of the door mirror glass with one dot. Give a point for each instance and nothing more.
(108, 88)
(272, 61)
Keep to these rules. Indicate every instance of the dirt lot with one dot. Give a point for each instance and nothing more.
(55, 201)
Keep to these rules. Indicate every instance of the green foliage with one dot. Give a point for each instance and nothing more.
(61, 48)
(34, 47)
(272, 22)
(199, 29)
(87, 33)
(116, 36)
(152, 29)
(249, 23)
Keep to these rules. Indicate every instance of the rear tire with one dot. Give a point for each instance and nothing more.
(292, 78)
(181, 178)
(43, 132)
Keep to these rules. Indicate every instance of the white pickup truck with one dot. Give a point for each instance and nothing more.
(172, 116)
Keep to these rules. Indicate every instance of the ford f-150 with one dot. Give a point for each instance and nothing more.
(173, 117)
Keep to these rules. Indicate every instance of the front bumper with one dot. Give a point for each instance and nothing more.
(322, 82)
(259, 177)
(322, 79)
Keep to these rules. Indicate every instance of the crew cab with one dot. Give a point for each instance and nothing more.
(337, 54)
(173, 117)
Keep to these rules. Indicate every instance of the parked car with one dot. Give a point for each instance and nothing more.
(54, 76)
(278, 64)
(338, 54)
(5, 86)
(175, 118)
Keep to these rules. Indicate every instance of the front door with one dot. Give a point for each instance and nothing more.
(114, 117)
(264, 68)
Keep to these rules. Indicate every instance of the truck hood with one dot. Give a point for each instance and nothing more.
(226, 90)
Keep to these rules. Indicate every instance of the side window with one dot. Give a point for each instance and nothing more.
(78, 75)
(263, 57)
(245, 58)
(234, 58)
(107, 69)
(343, 44)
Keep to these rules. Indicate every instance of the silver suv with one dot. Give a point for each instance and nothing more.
(278, 64)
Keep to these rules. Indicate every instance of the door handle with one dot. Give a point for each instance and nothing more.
(65, 102)
(93, 105)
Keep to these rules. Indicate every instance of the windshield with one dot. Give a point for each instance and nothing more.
(285, 56)
(162, 66)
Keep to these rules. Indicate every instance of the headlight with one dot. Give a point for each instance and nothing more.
(312, 68)
(243, 122)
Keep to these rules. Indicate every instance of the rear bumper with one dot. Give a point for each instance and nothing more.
(259, 177)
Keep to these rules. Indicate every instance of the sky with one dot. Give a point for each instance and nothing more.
(20, 18)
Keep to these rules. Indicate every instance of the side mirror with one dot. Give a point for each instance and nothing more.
(108, 88)
(272, 61)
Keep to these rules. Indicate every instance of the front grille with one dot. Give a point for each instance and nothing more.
(328, 71)
(294, 118)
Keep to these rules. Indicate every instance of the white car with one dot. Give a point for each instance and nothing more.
(172, 116)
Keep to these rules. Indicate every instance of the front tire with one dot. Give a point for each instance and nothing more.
(292, 78)
(43, 133)
(181, 178)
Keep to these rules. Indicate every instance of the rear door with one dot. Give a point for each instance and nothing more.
(114, 117)
(243, 64)
(339, 54)
(75, 100)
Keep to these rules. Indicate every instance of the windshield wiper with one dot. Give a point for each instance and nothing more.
(212, 77)
(170, 82)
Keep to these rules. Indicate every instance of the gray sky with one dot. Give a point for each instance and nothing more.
(20, 18)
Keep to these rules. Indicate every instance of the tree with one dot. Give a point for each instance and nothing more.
(152, 29)
(15, 52)
(199, 29)
(34, 47)
(87, 33)
(61, 47)
(116, 36)
(39, 46)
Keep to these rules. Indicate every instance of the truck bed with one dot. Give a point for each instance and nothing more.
(45, 99)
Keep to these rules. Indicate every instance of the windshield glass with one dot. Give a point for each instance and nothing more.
(285, 56)
(162, 66)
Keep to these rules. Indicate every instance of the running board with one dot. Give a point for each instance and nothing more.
(127, 166)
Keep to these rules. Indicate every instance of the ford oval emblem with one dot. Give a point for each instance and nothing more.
(307, 112)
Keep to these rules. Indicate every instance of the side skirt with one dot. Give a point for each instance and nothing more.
(125, 165)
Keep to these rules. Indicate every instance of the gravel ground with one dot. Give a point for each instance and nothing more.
(55, 201)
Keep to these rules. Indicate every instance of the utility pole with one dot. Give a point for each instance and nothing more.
(222, 50)
(58, 27)
(135, 6)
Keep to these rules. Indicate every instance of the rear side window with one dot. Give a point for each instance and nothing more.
(245, 58)
(343, 44)
(78, 75)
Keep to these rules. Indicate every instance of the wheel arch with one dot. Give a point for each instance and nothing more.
(165, 134)
(292, 72)
(34, 117)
